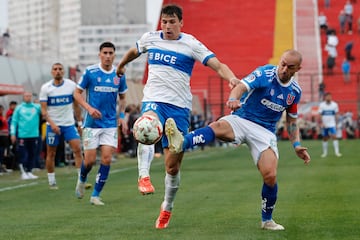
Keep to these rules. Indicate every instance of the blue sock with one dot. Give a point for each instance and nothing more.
(101, 178)
(269, 196)
(84, 170)
(201, 136)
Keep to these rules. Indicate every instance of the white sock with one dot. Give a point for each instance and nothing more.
(336, 146)
(325, 147)
(51, 178)
(145, 155)
(21, 167)
(78, 174)
(172, 184)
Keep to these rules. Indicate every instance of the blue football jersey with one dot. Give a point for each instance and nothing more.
(102, 89)
(267, 98)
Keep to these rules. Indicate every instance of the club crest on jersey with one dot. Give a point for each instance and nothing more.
(250, 78)
(257, 73)
(290, 99)
(116, 80)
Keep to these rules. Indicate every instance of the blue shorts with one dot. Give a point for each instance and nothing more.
(165, 111)
(68, 132)
(326, 132)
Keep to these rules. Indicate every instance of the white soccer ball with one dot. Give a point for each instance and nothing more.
(147, 130)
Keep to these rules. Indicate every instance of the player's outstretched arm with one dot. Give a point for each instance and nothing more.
(294, 137)
(223, 71)
(129, 56)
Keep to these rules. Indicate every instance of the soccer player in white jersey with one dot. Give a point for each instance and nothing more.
(328, 109)
(101, 121)
(171, 58)
(58, 109)
(257, 102)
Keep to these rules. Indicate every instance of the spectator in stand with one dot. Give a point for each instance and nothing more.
(348, 48)
(323, 22)
(342, 21)
(332, 42)
(321, 90)
(327, 3)
(349, 10)
(24, 130)
(345, 68)
(4, 138)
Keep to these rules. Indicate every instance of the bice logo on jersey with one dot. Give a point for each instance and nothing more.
(116, 80)
(162, 57)
(290, 99)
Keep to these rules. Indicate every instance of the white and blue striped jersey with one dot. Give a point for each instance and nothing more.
(59, 101)
(267, 98)
(328, 113)
(170, 67)
(102, 89)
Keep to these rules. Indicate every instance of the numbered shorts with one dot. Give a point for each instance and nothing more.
(95, 137)
(255, 136)
(68, 132)
(165, 111)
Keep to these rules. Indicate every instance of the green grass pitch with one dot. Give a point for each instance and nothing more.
(219, 198)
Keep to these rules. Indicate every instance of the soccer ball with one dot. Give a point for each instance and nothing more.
(147, 130)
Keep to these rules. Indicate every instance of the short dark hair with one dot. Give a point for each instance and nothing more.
(13, 103)
(107, 44)
(172, 10)
(57, 63)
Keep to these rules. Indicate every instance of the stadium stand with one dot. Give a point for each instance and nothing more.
(347, 95)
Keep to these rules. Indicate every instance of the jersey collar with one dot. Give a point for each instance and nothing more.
(162, 36)
(110, 71)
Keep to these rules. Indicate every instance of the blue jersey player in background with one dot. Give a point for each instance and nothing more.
(101, 120)
(171, 58)
(257, 102)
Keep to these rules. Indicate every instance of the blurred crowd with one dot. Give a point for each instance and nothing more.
(310, 127)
